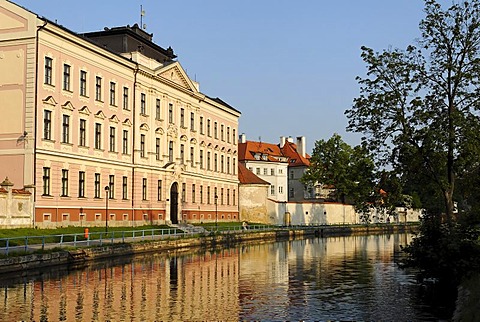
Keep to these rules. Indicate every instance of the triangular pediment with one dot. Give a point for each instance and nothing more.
(159, 130)
(100, 115)
(85, 110)
(127, 122)
(68, 106)
(114, 119)
(144, 127)
(50, 101)
(175, 73)
(11, 22)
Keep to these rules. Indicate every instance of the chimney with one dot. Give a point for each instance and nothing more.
(243, 138)
(290, 139)
(282, 141)
(301, 145)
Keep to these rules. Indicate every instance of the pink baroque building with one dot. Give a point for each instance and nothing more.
(109, 129)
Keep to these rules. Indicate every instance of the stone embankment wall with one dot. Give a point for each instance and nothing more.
(79, 256)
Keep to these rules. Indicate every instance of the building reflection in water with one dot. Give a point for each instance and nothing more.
(282, 280)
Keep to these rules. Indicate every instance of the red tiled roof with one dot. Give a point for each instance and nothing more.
(246, 176)
(295, 159)
(247, 150)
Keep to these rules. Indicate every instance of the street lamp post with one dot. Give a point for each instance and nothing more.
(107, 189)
(216, 212)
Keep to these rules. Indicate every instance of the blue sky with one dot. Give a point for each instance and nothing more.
(288, 66)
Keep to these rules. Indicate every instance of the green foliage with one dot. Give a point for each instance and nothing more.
(419, 112)
(418, 107)
(444, 252)
(349, 170)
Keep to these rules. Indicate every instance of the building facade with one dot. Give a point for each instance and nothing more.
(267, 161)
(109, 128)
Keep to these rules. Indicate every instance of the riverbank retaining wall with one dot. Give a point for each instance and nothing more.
(82, 255)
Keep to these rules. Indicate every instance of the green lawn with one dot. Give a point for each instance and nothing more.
(22, 232)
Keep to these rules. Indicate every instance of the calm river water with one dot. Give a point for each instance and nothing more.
(335, 278)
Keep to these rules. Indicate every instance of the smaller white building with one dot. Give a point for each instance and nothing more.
(266, 161)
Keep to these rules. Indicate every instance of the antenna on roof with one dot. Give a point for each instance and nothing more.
(142, 13)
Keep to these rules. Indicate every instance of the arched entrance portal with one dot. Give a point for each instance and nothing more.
(174, 203)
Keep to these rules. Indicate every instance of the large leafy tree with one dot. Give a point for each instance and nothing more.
(418, 108)
(349, 170)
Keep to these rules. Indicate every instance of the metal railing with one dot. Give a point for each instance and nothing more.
(30, 244)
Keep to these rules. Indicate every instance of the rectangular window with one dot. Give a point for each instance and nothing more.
(170, 113)
(208, 128)
(124, 188)
(272, 172)
(280, 189)
(201, 125)
(215, 132)
(64, 183)
(81, 184)
(208, 161)
(228, 197)
(65, 129)
(228, 165)
(159, 190)
(46, 181)
(112, 139)
(125, 98)
(291, 193)
(192, 121)
(201, 159)
(221, 196)
(234, 201)
(157, 109)
(182, 153)
(234, 166)
(234, 137)
(193, 193)
(143, 104)
(170, 151)
(208, 195)
(222, 163)
(83, 83)
(125, 142)
(215, 195)
(142, 145)
(112, 93)
(192, 156)
(97, 185)
(82, 139)
(182, 117)
(222, 134)
(98, 136)
(265, 171)
(184, 192)
(201, 194)
(48, 70)
(111, 186)
(47, 125)
(144, 189)
(258, 171)
(98, 88)
(215, 163)
(66, 77)
(272, 189)
(157, 149)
